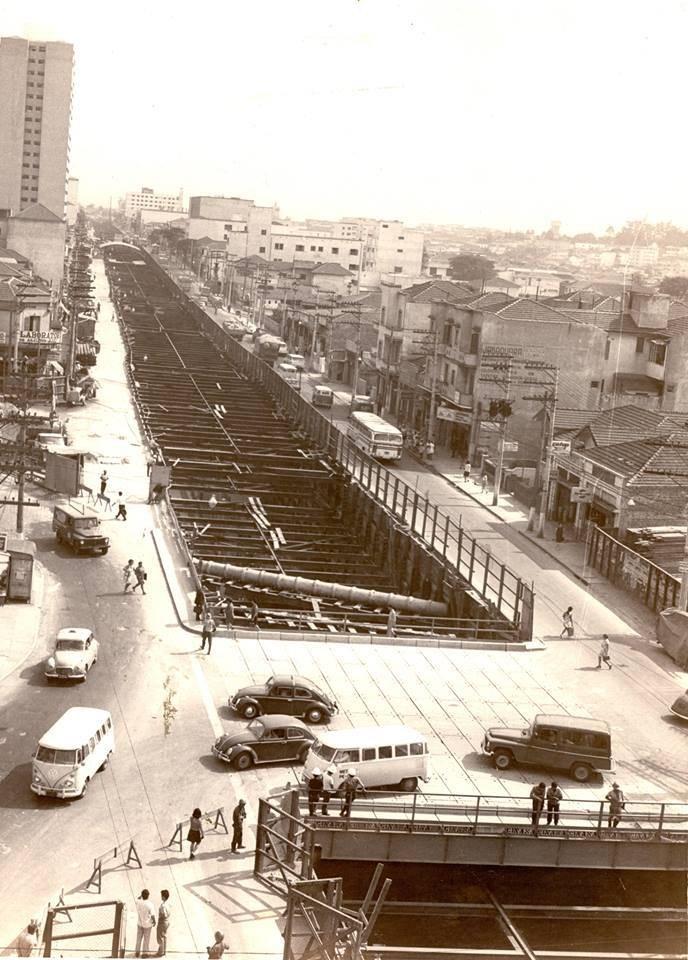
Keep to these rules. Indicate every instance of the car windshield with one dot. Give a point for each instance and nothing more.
(325, 753)
(48, 755)
(257, 727)
(69, 645)
(86, 523)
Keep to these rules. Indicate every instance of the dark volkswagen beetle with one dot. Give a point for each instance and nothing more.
(286, 695)
(264, 740)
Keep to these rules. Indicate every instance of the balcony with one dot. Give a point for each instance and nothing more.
(459, 356)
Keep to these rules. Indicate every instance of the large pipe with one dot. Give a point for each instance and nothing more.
(322, 588)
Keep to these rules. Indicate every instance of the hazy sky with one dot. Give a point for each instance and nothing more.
(496, 112)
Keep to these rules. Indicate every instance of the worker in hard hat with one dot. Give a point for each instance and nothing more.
(350, 786)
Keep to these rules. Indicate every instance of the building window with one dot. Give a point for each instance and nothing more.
(400, 316)
(279, 246)
(397, 269)
(261, 249)
(32, 324)
(400, 250)
(312, 249)
(657, 352)
(401, 238)
(452, 377)
(640, 345)
(353, 252)
(594, 384)
(433, 271)
(475, 341)
(263, 233)
(300, 248)
(335, 249)
(353, 266)
(607, 348)
(320, 249)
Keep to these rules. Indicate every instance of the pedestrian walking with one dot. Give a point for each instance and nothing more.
(253, 613)
(567, 623)
(537, 795)
(199, 605)
(128, 574)
(27, 940)
(103, 482)
(218, 948)
(329, 789)
(145, 922)
(483, 483)
(315, 789)
(559, 533)
(141, 577)
(603, 655)
(429, 450)
(617, 805)
(121, 507)
(391, 622)
(229, 614)
(350, 786)
(195, 834)
(163, 922)
(238, 817)
(554, 798)
(466, 471)
(209, 628)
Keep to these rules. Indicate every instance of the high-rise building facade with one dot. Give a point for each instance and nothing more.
(35, 113)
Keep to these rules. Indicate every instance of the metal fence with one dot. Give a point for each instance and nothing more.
(502, 590)
(634, 573)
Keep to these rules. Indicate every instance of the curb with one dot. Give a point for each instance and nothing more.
(490, 509)
(170, 581)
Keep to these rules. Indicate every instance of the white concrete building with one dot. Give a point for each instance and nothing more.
(147, 199)
(35, 114)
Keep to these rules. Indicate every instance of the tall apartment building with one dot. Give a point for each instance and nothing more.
(35, 113)
(147, 199)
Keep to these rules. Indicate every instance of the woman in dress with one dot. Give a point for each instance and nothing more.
(195, 834)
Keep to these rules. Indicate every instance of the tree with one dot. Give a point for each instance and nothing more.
(674, 286)
(471, 266)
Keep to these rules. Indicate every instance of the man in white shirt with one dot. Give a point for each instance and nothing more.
(146, 921)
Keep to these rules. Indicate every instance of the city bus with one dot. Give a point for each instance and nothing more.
(375, 436)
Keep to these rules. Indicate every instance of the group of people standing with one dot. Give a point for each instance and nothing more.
(324, 787)
(541, 795)
(148, 920)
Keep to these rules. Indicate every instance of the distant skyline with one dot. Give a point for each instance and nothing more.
(484, 113)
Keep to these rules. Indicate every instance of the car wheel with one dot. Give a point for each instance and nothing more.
(581, 772)
(315, 715)
(83, 792)
(104, 764)
(503, 759)
(409, 784)
(244, 761)
(248, 711)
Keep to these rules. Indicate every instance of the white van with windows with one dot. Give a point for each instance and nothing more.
(68, 755)
(393, 756)
(289, 372)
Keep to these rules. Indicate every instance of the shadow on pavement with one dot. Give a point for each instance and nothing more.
(232, 891)
(15, 791)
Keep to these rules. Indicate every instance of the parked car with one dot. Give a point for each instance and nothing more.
(265, 740)
(296, 360)
(286, 695)
(576, 744)
(361, 403)
(76, 650)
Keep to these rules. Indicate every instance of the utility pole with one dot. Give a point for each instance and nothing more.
(500, 459)
(17, 389)
(435, 334)
(549, 379)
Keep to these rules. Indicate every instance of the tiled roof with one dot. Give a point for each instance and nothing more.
(501, 283)
(7, 254)
(597, 318)
(36, 211)
(332, 269)
(438, 290)
(487, 301)
(677, 326)
(650, 462)
(626, 324)
(7, 295)
(526, 309)
(629, 422)
(566, 419)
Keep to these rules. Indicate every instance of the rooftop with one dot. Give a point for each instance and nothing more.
(439, 290)
(629, 422)
(36, 211)
(652, 461)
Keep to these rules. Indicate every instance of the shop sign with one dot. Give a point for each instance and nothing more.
(561, 446)
(40, 336)
(581, 495)
(510, 446)
(455, 416)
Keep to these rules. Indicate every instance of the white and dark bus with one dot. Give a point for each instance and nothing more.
(375, 436)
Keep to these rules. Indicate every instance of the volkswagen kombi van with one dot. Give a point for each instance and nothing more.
(392, 756)
(71, 752)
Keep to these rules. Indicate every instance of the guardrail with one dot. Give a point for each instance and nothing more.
(471, 814)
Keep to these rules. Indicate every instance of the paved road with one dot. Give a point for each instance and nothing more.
(155, 778)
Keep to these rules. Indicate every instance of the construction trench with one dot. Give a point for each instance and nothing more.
(266, 503)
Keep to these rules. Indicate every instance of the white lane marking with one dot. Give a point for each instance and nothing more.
(210, 708)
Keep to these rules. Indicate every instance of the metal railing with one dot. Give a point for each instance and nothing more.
(476, 814)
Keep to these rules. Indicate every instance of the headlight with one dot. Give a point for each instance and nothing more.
(37, 778)
(69, 782)
(51, 663)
